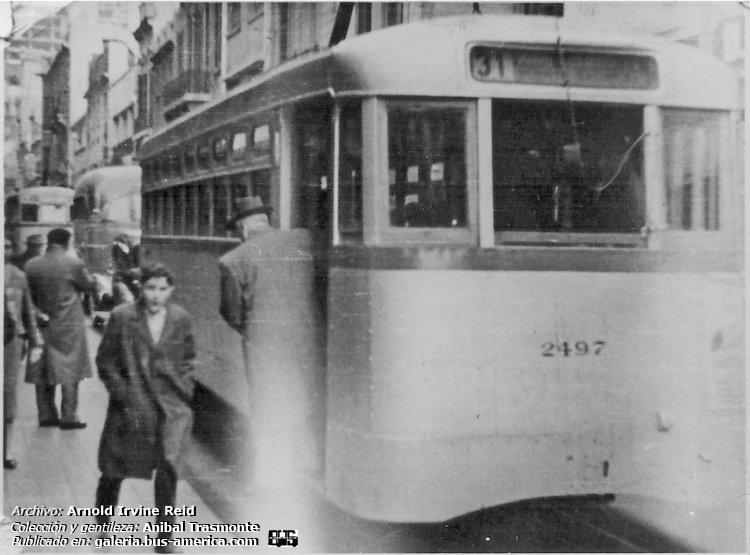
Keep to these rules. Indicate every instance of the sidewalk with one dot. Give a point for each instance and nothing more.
(58, 469)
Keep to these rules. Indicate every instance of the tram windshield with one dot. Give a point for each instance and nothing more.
(560, 167)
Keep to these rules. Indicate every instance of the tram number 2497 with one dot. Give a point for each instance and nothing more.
(572, 348)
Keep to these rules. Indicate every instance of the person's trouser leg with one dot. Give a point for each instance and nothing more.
(11, 369)
(45, 403)
(107, 494)
(165, 493)
(69, 405)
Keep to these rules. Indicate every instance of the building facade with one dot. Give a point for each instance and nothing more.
(209, 49)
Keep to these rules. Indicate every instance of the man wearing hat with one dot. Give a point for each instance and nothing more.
(267, 296)
(56, 281)
(34, 244)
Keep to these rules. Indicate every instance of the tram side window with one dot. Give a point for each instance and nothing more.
(205, 209)
(261, 185)
(350, 173)
(550, 175)
(311, 196)
(427, 166)
(222, 202)
(191, 198)
(691, 145)
(177, 210)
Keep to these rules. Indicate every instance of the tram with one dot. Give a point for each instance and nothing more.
(107, 203)
(525, 242)
(37, 211)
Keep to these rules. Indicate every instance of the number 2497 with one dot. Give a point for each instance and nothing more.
(570, 348)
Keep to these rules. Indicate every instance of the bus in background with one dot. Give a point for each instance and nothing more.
(107, 205)
(36, 211)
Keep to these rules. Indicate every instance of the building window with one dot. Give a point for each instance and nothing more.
(234, 17)
(217, 34)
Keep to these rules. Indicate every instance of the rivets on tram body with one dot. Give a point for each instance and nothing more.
(664, 420)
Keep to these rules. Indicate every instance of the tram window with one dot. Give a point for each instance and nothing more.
(239, 143)
(550, 176)
(29, 212)
(189, 157)
(427, 167)
(147, 224)
(220, 149)
(222, 204)
(311, 198)
(205, 209)
(178, 202)
(168, 212)
(350, 172)
(204, 156)
(175, 165)
(261, 185)
(239, 187)
(691, 145)
(156, 168)
(191, 198)
(262, 139)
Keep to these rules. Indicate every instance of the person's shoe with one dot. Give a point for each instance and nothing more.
(169, 548)
(72, 425)
(49, 423)
(10, 464)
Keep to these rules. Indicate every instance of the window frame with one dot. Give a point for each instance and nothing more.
(594, 239)
(377, 227)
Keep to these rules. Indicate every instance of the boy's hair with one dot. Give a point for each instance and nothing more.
(59, 236)
(156, 270)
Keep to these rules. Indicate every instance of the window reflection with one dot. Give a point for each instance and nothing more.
(552, 176)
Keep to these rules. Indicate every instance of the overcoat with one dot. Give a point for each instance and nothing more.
(56, 280)
(20, 324)
(268, 295)
(150, 389)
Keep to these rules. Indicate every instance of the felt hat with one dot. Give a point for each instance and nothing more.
(247, 206)
(34, 239)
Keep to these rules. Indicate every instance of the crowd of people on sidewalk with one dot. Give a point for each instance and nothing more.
(145, 360)
(146, 357)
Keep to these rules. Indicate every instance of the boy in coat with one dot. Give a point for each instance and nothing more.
(146, 360)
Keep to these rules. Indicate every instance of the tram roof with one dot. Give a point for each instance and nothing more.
(430, 59)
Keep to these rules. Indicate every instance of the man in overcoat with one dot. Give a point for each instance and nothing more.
(21, 334)
(34, 246)
(146, 360)
(268, 296)
(56, 281)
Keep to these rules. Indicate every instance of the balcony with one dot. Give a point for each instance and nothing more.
(190, 88)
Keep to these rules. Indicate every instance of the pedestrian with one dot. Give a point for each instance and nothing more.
(34, 246)
(268, 297)
(57, 280)
(20, 334)
(121, 258)
(146, 360)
